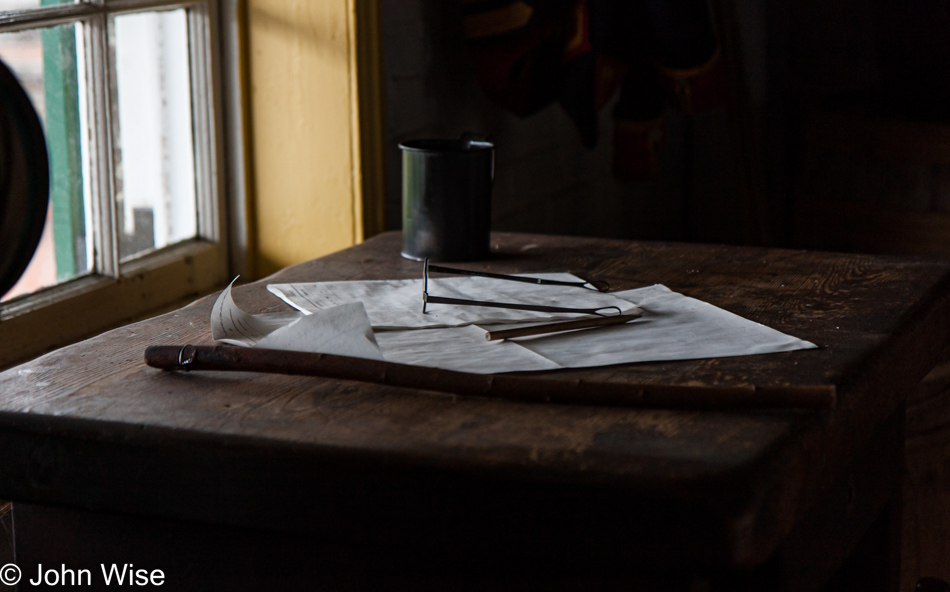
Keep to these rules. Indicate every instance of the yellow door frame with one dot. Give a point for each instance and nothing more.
(313, 107)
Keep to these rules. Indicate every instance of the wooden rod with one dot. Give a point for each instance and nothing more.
(501, 386)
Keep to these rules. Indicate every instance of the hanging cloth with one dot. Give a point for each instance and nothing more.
(658, 54)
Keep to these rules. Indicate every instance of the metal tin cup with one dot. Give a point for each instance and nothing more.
(446, 199)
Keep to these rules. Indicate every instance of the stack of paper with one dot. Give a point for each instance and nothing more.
(384, 320)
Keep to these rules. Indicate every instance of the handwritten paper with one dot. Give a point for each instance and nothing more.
(672, 327)
(397, 304)
(230, 324)
(342, 330)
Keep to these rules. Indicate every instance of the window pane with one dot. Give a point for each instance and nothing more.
(22, 4)
(155, 162)
(48, 63)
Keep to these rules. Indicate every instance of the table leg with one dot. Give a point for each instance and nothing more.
(851, 538)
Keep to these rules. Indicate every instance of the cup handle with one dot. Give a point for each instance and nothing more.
(485, 139)
(476, 138)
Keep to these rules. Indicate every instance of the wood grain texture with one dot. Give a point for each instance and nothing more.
(90, 426)
(926, 511)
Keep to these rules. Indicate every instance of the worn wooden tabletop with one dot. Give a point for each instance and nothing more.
(90, 426)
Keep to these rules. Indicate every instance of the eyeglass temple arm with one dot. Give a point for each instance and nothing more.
(428, 299)
(598, 285)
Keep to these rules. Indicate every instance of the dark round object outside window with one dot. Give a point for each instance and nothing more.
(24, 180)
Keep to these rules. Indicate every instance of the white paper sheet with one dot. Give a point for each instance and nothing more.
(232, 325)
(672, 327)
(459, 348)
(342, 330)
(397, 304)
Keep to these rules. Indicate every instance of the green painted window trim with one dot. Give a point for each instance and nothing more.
(61, 82)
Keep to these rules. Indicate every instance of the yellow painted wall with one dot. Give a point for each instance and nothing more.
(303, 117)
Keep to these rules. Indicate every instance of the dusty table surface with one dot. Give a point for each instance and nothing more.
(90, 426)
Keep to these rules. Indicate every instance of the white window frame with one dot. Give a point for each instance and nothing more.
(117, 292)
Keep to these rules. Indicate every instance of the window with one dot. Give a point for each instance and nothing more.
(129, 95)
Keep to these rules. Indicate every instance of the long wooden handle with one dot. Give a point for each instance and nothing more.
(501, 386)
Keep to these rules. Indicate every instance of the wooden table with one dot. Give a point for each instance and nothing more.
(252, 481)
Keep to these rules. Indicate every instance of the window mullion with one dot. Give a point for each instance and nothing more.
(103, 179)
(121, 6)
(47, 16)
(202, 80)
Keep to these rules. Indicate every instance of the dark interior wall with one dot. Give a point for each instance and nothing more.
(835, 135)
(546, 181)
(868, 107)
